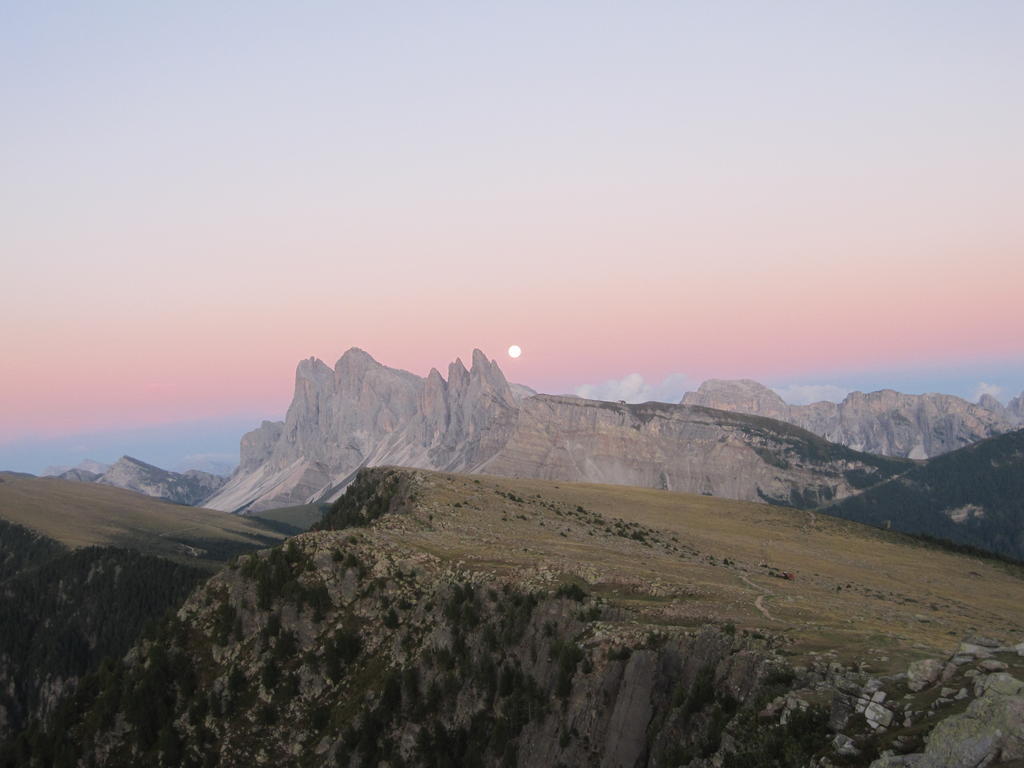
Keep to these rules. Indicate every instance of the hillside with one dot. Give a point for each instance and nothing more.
(972, 496)
(438, 619)
(362, 413)
(83, 568)
(63, 611)
(89, 514)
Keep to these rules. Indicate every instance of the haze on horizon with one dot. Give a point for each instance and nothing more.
(195, 198)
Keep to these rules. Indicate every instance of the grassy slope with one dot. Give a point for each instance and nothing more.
(867, 594)
(986, 478)
(85, 514)
(301, 517)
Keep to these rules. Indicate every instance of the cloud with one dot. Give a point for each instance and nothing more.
(634, 388)
(803, 394)
(985, 388)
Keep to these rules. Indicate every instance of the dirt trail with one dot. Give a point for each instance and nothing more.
(759, 600)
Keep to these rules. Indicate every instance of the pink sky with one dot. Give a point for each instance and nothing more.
(195, 200)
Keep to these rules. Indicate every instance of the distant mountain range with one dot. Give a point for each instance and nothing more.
(885, 422)
(362, 413)
(188, 488)
(734, 439)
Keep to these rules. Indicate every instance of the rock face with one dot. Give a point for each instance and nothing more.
(886, 422)
(188, 488)
(362, 413)
(1016, 406)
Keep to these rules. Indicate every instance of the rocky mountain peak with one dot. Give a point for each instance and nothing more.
(490, 378)
(190, 488)
(886, 421)
(458, 376)
(742, 395)
(1016, 407)
(989, 403)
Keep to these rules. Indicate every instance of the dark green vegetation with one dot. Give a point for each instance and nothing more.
(21, 548)
(972, 496)
(62, 612)
(374, 492)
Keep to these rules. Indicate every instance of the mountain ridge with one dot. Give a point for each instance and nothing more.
(885, 421)
(362, 413)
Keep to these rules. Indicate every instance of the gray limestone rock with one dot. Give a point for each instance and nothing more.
(878, 715)
(923, 673)
(885, 422)
(991, 729)
(363, 413)
(189, 488)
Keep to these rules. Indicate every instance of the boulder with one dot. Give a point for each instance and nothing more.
(974, 650)
(999, 683)
(843, 745)
(984, 641)
(991, 729)
(991, 665)
(923, 673)
(877, 715)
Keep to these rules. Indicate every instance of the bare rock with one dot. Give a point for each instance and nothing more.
(923, 673)
(886, 422)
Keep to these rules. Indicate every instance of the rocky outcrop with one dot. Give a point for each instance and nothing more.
(188, 488)
(678, 448)
(1016, 408)
(885, 422)
(362, 413)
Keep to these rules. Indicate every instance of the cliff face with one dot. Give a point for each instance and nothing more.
(885, 422)
(680, 448)
(365, 414)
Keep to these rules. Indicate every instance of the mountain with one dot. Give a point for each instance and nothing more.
(189, 488)
(362, 413)
(973, 496)
(885, 422)
(90, 514)
(456, 620)
(89, 466)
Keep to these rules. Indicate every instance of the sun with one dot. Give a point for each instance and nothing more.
(515, 351)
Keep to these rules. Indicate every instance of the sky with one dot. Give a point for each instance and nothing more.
(823, 196)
